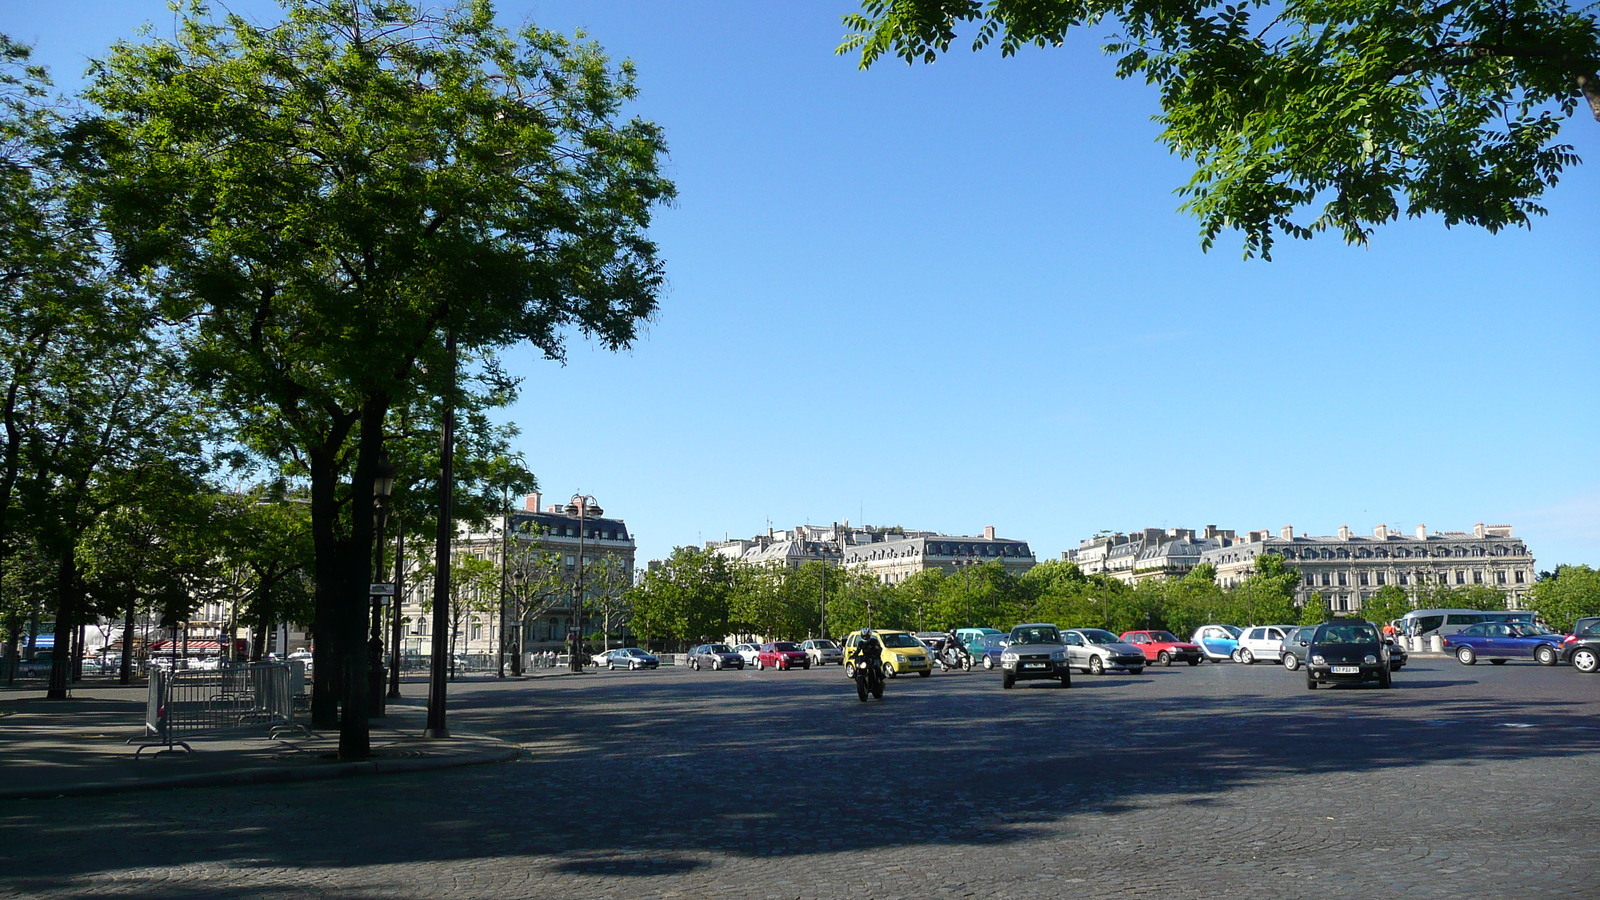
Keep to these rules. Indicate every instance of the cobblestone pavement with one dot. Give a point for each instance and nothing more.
(1216, 781)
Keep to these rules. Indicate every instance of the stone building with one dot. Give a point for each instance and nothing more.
(1150, 553)
(898, 557)
(552, 537)
(1347, 569)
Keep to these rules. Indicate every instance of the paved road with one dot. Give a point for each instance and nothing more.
(1217, 781)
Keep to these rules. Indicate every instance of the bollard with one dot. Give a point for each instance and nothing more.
(1435, 644)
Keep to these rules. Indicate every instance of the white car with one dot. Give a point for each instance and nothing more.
(748, 653)
(1261, 642)
(821, 651)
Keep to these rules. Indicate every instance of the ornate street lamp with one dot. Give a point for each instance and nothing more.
(581, 507)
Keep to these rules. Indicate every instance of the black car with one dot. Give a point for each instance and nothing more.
(1347, 651)
(1582, 646)
(714, 656)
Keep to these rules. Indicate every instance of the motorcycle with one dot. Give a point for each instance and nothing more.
(868, 679)
(955, 656)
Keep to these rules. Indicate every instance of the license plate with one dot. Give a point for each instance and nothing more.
(1347, 670)
(1034, 665)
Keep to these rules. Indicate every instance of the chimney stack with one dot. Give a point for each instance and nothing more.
(1478, 529)
(1381, 532)
(988, 532)
(1287, 533)
(532, 503)
(1344, 532)
(1422, 532)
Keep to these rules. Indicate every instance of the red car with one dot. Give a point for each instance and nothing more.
(782, 655)
(1163, 648)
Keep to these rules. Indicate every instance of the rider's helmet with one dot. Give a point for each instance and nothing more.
(865, 632)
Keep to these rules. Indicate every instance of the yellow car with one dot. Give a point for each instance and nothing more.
(902, 653)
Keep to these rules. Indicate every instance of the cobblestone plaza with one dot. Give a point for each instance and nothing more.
(1216, 781)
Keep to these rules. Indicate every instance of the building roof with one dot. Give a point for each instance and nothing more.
(559, 525)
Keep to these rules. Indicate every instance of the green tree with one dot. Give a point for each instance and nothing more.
(1390, 602)
(1266, 597)
(1308, 117)
(1315, 611)
(336, 203)
(1566, 595)
(981, 595)
(687, 598)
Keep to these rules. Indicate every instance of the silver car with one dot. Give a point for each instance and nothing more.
(1097, 651)
(821, 651)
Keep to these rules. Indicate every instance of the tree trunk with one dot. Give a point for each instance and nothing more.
(127, 643)
(326, 664)
(66, 608)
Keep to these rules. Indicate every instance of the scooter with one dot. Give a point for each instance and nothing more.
(868, 679)
(955, 656)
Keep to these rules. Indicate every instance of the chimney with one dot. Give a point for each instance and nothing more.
(1344, 532)
(1287, 533)
(1478, 529)
(1422, 532)
(532, 503)
(1381, 532)
(554, 508)
(988, 532)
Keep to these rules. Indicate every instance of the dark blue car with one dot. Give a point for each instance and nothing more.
(1501, 641)
(987, 649)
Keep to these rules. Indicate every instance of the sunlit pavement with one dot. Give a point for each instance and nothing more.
(1215, 781)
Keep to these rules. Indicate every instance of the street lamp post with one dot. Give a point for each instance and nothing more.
(580, 507)
(965, 565)
(394, 612)
(382, 489)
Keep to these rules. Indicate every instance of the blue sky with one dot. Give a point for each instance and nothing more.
(960, 295)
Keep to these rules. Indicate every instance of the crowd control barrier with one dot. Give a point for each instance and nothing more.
(186, 702)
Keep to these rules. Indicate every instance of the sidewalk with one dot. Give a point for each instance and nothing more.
(55, 748)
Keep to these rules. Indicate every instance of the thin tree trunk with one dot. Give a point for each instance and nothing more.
(127, 642)
(60, 663)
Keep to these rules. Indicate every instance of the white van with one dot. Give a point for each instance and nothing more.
(1426, 622)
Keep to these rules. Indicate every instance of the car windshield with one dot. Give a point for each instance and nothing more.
(1348, 634)
(825, 645)
(1043, 634)
(717, 648)
(635, 652)
(1163, 636)
(899, 640)
(1518, 630)
(786, 645)
(1096, 636)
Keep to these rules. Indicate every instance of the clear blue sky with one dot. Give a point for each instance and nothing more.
(954, 296)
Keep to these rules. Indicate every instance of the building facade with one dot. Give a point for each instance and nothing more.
(1150, 553)
(898, 557)
(1347, 569)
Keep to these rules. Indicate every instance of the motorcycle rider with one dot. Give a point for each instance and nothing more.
(955, 653)
(868, 665)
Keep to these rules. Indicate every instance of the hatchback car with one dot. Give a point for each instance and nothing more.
(1499, 642)
(715, 657)
(1097, 651)
(1295, 643)
(1581, 648)
(822, 651)
(1217, 642)
(748, 652)
(902, 653)
(1260, 642)
(781, 655)
(1347, 651)
(631, 658)
(1163, 647)
(989, 647)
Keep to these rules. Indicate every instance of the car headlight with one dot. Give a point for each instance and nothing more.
(899, 657)
(1317, 660)
(1058, 655)
(1370, 659)
(1008, 656)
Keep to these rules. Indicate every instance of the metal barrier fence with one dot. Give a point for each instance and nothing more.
(192, 702)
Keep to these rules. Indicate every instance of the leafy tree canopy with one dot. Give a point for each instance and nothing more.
(1303, 116)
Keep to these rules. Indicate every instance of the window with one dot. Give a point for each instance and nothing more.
(1461, 577)
(1326, 579)
(1404, 579)
(1477, 576)
(1519, 576)
(1361, 579)
(1342, 580)
(1500, 577)
(572, 561)
(1382, 579)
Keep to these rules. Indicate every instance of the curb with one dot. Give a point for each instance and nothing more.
(264, 775)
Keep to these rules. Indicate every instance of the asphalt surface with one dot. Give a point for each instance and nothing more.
(1214, 781)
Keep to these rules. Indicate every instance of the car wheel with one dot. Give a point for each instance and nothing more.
(1545, 655)
(988, 663)
(1194, 662)
(1497, 662)
(1164, 658)
(695, 665)
(1585, 660)
(1096, 666)
(1066, 679)
(1136, 670)
(1311, 683)
(1385, 679)
(888, 671)
(1291, 662)
(1246, 657)
(1466, 657)
(925, 673)
(1233, 655)
(758, 664)
(1007, 680)
(611, 667)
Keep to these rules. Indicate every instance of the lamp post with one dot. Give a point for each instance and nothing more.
(394, 612)
(965, 565)
(382, 489)
(580, 507)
